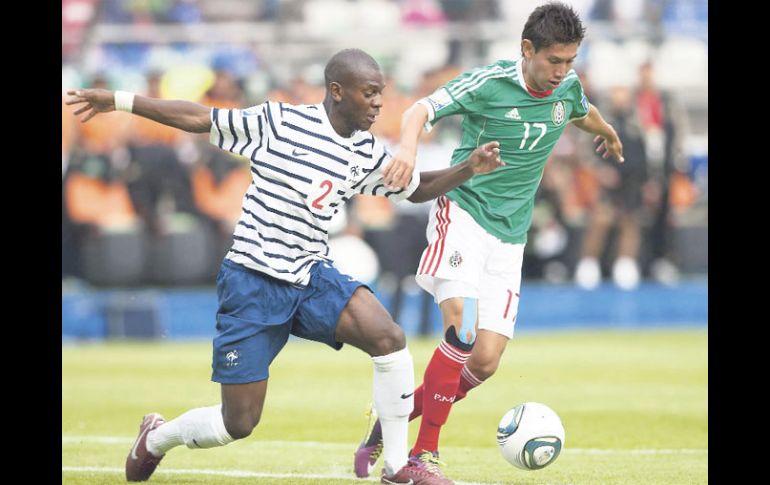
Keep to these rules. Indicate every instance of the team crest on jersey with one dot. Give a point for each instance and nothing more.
(558, 113)
(355, 171)
(455, 259)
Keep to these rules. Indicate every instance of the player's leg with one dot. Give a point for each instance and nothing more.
(370, 447)
(442, 374)
(450, 271)
(242, 352)
(483, 361)
(361, 322)
(498, 308)
(453, 253)
(366, 324)
(216, 425)
(337, 309)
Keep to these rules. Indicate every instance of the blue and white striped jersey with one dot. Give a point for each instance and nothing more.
(302, 173)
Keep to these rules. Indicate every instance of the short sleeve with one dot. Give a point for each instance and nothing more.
(579, 101)
(236, 129)
(467, 93)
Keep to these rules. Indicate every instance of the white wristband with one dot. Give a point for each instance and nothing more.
(124, 101)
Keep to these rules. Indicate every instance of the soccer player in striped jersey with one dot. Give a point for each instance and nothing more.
(277, 280)
(477, 232)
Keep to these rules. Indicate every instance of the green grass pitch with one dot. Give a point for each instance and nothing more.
(634, 406)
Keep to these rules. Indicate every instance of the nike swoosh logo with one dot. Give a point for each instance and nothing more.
(298, 153)
(136, 443)
(404, 396)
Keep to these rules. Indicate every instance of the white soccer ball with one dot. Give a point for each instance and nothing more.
(530, 436)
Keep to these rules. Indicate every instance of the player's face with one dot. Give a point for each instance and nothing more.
(546, 68)
(362, 100)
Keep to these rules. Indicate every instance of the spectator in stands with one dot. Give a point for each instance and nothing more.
(219, 181)
(95, 195)
(109, 137)
(468, 13)
(663, 124)
(224, 92)
(620, 201)
(160, 183)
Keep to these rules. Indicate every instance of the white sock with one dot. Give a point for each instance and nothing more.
(393, 378)
(197, 428)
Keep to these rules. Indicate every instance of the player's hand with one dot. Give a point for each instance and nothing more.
(96, 101)
(610, 145)
(486, 158)
(398, 173)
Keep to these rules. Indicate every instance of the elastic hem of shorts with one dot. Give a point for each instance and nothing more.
(247, 380)
(497, 332)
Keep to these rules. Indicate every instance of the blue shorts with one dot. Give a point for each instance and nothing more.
(257, 313)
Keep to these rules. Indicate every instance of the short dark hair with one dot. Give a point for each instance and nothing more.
(346, 64)
(553, 23)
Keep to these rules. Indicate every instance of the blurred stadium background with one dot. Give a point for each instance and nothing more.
(148, 212)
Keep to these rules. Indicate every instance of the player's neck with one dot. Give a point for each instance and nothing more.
(528, 82)
(337, 120)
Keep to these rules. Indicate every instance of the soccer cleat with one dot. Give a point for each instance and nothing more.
(419, 470)
(140, 463)
(425, 466)
(370, 449)
(405, 476)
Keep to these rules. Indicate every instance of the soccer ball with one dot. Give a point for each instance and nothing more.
(530, 436)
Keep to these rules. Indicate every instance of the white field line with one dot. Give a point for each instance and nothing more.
(241, 474)
(126, 440)
(223, 473)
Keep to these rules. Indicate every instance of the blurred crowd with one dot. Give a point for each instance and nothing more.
(146, 204)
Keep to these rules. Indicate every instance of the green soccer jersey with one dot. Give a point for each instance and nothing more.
(496, 106)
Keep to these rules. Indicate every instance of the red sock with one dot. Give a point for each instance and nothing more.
(442, 377)
(467, 382)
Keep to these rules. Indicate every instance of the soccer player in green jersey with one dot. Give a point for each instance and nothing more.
(477, 232)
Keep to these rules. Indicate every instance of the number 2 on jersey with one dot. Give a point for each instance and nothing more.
(541, 126)
(328, 185)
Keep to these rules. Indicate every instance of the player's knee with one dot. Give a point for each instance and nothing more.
(391, 339)
(484, 367)
(452, 311)
(486, 371)
(241, 425)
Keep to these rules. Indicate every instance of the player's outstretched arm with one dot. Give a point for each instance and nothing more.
(483, 159)
(185, 115)
(595, 124)
(398, 173)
